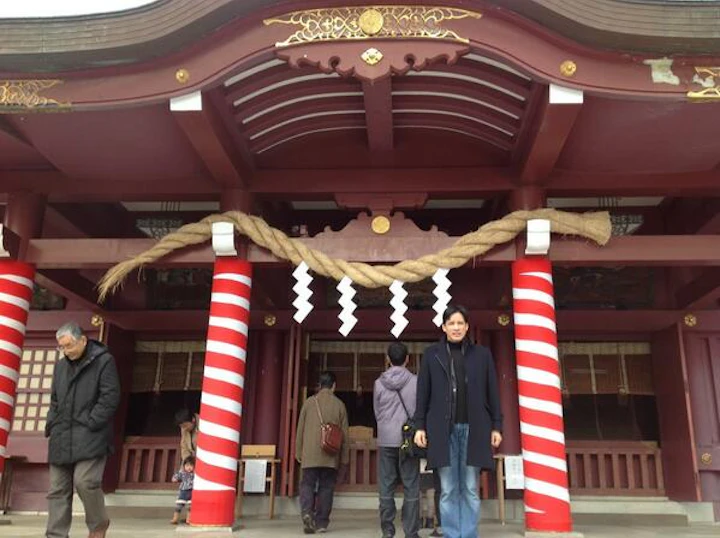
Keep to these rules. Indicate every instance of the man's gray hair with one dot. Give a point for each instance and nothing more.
(71, 329)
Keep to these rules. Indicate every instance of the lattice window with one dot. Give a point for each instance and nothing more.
(168, 366)
(370, 367)
(606, 367)
(33, 399)
(356, 362)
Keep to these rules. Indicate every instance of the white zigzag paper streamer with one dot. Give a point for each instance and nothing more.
(302, 302)
(442, 284)
(399, 308)
(347, 292)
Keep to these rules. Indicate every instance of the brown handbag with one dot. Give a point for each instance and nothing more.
(331, 435)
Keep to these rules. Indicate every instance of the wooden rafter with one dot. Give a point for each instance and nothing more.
(551, 129)
(701, 293)
(214, 145)
(379, 114)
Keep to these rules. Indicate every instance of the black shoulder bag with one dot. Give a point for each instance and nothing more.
(408, 448)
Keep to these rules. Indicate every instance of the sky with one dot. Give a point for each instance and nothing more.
(65, 8)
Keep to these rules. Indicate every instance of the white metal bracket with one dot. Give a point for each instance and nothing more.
(538, 237)
(223, 239)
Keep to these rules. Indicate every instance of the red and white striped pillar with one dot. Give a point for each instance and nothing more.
(16, 288)
(547, 501)
(218, 442)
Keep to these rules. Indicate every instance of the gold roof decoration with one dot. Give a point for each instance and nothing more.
(375, 22)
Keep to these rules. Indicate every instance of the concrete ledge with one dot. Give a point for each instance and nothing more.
(699, 513)
(208, 532)
(535, 534)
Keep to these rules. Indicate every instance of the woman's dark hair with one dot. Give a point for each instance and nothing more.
(455, 309)
(190, 460)
(183, 415)
(397, 353)
(326, 380)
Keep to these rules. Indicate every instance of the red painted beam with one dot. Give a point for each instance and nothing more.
(692, 215)
(648, 250)
(377, 322)
(551, 129)
(69, 284)
(206, 132)
(274, 138)
(684, 250)
(579, 183)
(287, 116)
(383, 180)
(701, 293)
(308, 94)
(379, 114)
(61, 188)
(466, 180)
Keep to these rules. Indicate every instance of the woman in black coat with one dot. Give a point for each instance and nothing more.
(459, 419)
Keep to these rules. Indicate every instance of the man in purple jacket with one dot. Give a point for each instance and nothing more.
(394, 403)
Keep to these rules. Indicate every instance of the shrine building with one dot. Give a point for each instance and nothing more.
(374, 134)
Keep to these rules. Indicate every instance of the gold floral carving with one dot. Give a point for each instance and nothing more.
(503, 320)
(690, 320)
(709, 79)
(384, 22)
(706, 458)
(372, 56)
(25, 94)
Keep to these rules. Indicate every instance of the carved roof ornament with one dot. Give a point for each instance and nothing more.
(379, 22)
(709, 79)
(24, 95)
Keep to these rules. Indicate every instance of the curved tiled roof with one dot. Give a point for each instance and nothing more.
(161, 28)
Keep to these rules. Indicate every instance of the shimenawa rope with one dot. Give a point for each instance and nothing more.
(594, 226)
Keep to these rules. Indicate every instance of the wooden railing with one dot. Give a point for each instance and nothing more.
(149, 463)
(362, 475)
(615, 468)
(595, 467)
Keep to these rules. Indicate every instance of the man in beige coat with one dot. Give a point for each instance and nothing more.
(319, 469)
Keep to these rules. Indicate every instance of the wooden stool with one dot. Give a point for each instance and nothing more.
(255, 453)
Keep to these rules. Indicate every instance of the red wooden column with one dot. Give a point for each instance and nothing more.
(16, 287)
(221, 400)
(24, 216)
(266, 424)
(504, 354)
(547, 500)
(218, 443)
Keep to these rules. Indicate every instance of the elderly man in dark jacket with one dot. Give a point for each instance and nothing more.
(85, 395)
(394, 403)
(459, 419)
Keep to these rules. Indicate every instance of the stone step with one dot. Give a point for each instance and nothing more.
(586, 510)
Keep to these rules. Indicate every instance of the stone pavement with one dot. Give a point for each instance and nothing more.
(345, 524)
